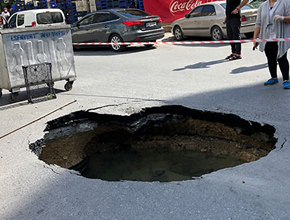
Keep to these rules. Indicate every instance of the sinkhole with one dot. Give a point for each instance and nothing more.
(166, 143)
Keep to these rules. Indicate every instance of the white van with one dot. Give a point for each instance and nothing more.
(37, 18)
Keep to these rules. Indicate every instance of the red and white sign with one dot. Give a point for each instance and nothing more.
(171, 10)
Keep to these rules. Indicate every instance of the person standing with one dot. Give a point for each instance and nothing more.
(233, 25)
(273, 22)
(6, 15)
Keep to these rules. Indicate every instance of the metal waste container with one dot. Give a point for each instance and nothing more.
(29, 46)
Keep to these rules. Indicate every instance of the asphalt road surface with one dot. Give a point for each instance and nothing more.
(195, 76)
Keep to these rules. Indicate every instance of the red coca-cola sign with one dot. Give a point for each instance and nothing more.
(180, 6)
(171, 10)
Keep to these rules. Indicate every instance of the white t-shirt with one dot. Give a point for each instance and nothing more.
(5, 15)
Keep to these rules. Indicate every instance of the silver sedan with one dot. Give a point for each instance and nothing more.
(208, 20)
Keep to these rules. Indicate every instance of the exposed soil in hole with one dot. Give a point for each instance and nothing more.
(162, 143)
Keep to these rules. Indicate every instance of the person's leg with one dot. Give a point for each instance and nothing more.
(236, 25)
(230, 34)
(284, 66)
(271, 51)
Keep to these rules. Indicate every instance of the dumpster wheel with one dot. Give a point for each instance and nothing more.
(13, 96)
(68, 86)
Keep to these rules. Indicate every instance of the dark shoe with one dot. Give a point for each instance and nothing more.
(235, 57)
(229, 56)
(271, 82)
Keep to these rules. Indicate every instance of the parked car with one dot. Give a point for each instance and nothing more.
(118, 25)
(208, 20)
(37, 18)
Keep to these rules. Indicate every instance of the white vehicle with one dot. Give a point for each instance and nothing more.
(37, 18)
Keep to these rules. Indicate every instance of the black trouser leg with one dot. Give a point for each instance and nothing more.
(284, 66)
(233, 32)
(271, 51)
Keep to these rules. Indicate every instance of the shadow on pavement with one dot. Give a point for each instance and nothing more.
(106, 51)
(40, 95)
(202, 65)
(234, 71)
(249, 68)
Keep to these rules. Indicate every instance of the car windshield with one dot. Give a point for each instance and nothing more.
(246, 7)
(49, 18)
(133, 13)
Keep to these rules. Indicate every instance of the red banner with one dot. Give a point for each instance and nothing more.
(171, 10)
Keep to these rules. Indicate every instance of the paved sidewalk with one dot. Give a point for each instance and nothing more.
(195, 76)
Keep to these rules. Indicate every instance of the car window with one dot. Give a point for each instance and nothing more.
(49, 18)
(20, 19)
(255, 3)
(196, 12)
(208, 10)
(133, 13)
(87, 20)
(114, 17)
(12, 21)
(246, 7)
(223, 5)
(102, 17)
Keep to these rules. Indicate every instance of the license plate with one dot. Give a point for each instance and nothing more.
(151, 24)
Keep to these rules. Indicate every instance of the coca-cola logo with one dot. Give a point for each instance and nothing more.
(180, 6)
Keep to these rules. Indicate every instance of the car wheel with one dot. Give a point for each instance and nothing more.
(115, 38)
(249, 35)
(178, 35)
(216, 33)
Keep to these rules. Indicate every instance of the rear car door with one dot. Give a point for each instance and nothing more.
(190, 24)
(82, 31)
(102, 24)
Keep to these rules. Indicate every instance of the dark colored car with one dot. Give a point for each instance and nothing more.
(118, 25)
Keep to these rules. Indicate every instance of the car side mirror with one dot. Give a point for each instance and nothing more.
(187, 15)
